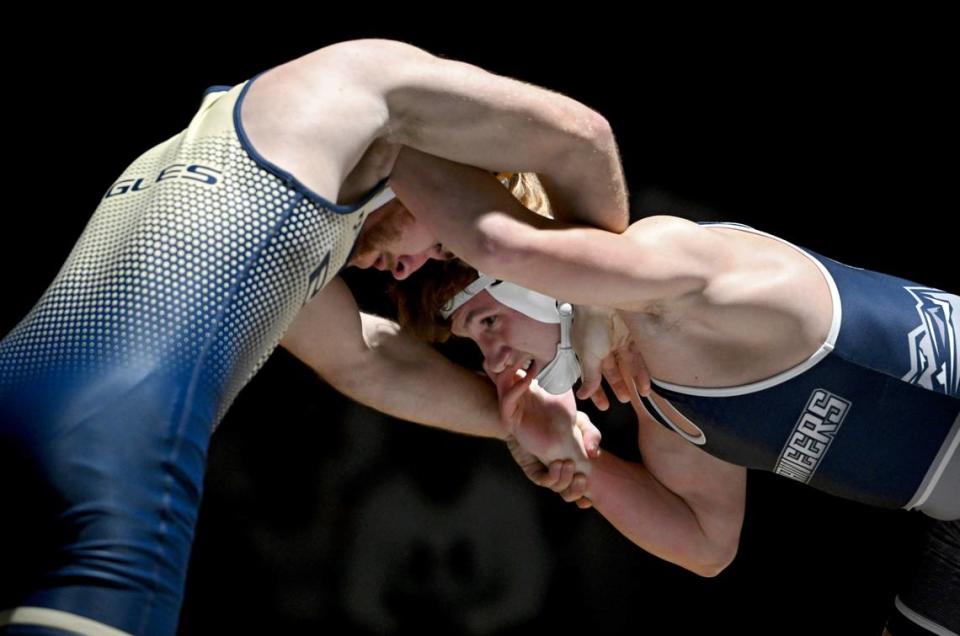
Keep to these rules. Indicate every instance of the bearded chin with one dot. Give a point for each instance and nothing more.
(388, 229)
(364, 247)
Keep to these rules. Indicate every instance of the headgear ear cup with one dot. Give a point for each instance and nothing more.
(564, 370)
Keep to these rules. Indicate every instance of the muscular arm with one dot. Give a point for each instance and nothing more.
(657, 258)
(323, 111)
(465, 114)
(370, 360)
(679, 504)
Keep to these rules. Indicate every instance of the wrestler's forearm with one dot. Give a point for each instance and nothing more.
(588, 187)
(369, 359)
(652, 516)
(483, 224)
(465, 114)
(448, 197)
(409, 380)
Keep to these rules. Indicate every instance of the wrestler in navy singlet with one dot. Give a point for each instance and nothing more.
(195, 262)
(874, 415)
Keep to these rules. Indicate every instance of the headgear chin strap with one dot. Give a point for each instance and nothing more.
(564, 370)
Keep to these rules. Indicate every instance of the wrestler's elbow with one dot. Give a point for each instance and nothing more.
(500, 244)
(717, 562)
(714, 556)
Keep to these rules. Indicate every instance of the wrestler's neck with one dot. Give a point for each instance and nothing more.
(374, 166)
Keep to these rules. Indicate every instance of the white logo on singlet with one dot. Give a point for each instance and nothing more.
(934, 356)
(811, 437)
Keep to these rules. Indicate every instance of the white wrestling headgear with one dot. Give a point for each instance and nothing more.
(564, 370)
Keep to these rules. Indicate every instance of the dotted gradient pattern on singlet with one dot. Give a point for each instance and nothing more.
(181, 272)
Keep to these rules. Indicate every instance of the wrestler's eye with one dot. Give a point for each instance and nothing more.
(488, 321)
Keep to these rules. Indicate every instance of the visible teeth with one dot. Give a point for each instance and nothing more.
(529, 364)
